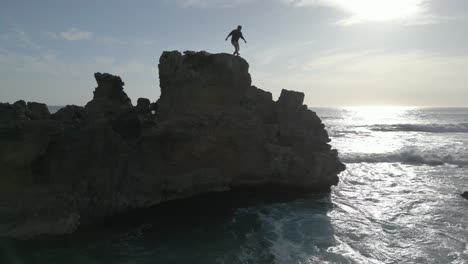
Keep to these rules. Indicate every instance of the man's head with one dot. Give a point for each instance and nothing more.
(239, 27)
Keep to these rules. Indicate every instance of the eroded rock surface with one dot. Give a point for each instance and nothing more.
(210, 131)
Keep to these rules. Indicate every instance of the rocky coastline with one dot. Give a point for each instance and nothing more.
(210, 131)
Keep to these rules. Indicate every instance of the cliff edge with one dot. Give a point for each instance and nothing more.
(210, 131)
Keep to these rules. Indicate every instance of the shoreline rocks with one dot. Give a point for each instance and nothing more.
(210, 131)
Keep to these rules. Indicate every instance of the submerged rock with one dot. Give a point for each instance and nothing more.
(210, 131)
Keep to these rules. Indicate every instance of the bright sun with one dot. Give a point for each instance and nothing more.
(378, 10)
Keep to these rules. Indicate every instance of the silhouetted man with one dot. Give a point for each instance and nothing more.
(235, 35)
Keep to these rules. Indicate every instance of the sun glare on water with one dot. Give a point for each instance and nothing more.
(363, 138)
(378, 114)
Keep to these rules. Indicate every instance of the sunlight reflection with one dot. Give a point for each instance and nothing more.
(378, 114)
(364, 138)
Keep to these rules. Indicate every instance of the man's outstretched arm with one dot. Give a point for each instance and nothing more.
(230, 34)
(242, 37)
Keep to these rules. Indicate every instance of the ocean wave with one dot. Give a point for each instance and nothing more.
(344, 133)
(406, 156)
(430, 128)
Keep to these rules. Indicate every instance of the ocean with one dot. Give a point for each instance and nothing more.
(398, 202)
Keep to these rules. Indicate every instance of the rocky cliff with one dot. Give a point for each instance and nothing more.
(210, 131)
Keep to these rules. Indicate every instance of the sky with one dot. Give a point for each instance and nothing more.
(338, 52)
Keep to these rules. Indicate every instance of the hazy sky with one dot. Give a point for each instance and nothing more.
(339, 52)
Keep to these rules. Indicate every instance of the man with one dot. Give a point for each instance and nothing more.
(235, 35)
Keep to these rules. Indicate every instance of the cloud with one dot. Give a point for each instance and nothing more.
(74, 34)
(71, 34)
(360, 11)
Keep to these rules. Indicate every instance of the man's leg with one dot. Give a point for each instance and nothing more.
(235, 49)
(236, 46)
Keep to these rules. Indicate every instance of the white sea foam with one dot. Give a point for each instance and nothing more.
(406, 156)
(384, 210)
(429, 128)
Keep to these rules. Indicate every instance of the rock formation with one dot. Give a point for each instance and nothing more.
(210, 131)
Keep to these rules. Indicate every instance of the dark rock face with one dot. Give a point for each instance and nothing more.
(201, 82)
(143, 104)
(237, 130)
(290, 99)
(38, 111)
(22, 111)
(465, 195)
(109, 98)
(212, 131)
(70, 113)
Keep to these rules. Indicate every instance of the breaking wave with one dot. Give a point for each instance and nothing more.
(430, 128)
(406, 156)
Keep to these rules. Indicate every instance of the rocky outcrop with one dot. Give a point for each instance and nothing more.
(22, 111)
(38, 111)
(213, 116)
(70, 113)
(109, 98)
(210, 131)
(143, 105)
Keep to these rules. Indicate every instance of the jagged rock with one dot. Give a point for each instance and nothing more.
(7, 112)
(201, 82)
(212, 131)
(22, 111)
(253, 140)
(261, 102)
(143, 105)
(38, 111)
(154, 107)
(465, 195)
(20, 103)
(16, 111)
(291, 100)
(109, 98)
(70, 113)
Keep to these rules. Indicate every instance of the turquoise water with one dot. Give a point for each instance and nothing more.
(398, 202)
